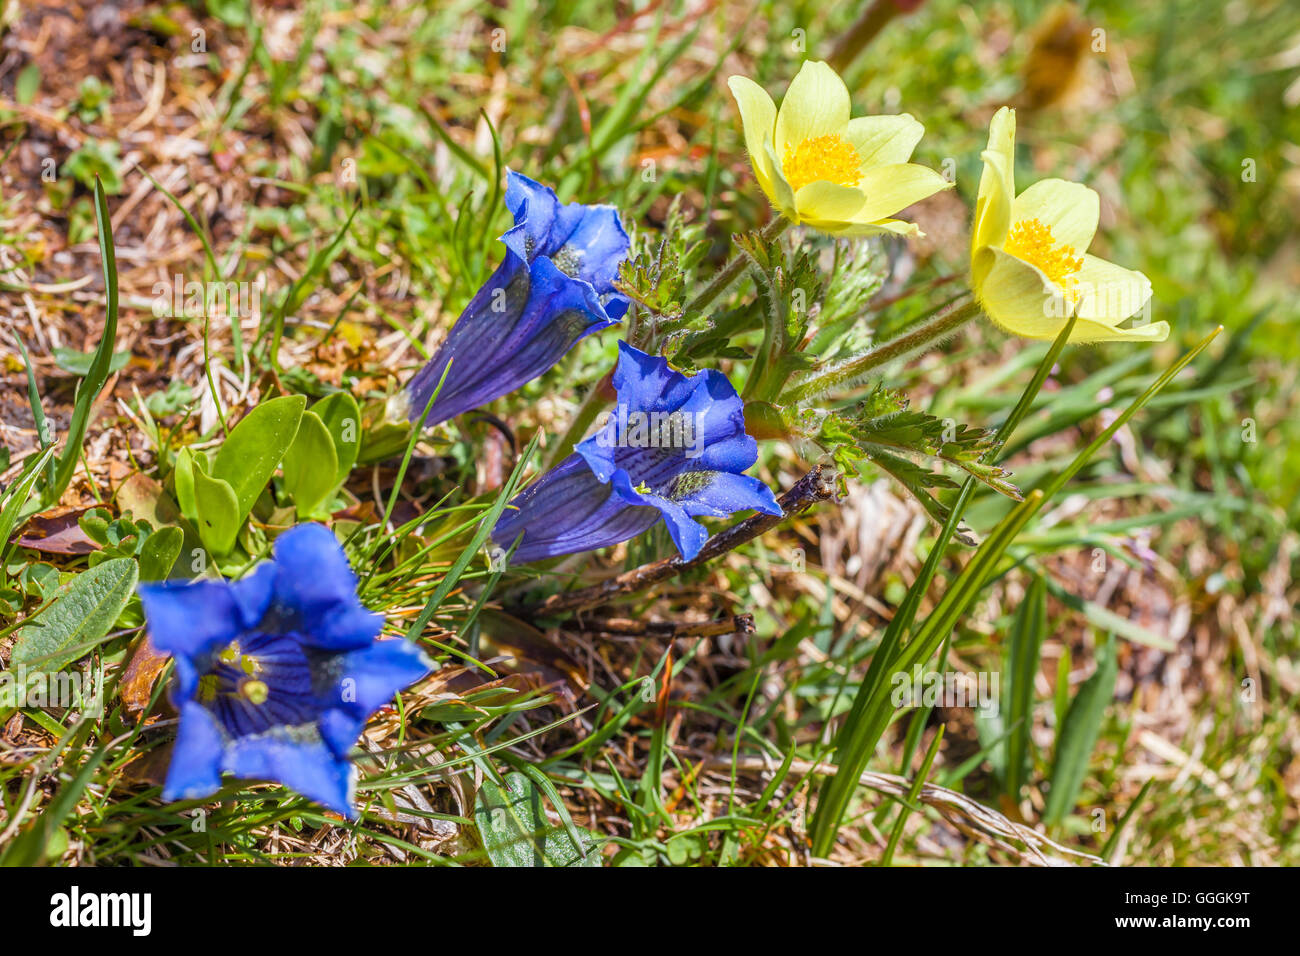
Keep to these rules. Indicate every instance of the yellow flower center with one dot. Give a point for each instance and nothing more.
(831, 158)
(1032, 241)
(249, 687)
(254, 691)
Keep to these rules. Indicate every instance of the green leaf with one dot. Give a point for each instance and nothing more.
(187, 463)
(1078, 734)
(342, 416)
(217, 513)
(79, 363)
(14, 500)
(161, 549)
(1027, 632)
(27, 84)
(93, 381)
(253, 450)
(310, 465)
(78, 618)
(512, 822)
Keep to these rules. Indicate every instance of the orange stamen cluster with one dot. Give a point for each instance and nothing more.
(830, 158)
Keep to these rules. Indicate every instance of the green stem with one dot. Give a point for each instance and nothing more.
(581, 424)
(863, 31)
(914, 339)
(731, 271)
(858, 736)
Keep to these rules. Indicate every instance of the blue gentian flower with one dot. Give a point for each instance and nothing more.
(555, 287)
(276, 673)
(675, 448)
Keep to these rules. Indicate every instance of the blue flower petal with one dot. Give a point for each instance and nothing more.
(298, 758)
(719, 415)
(589, 241)
(592, 239)
(535, 208)
(646, 383)
(682, 456)
(687, 533)
(720, 493)
(340, 730)
(554, 287)
(565, 511)
(194, 617)
(195, 769)
(316, 591)
(369, 678)
(523, 321)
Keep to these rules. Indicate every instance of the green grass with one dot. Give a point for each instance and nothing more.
(377, 140)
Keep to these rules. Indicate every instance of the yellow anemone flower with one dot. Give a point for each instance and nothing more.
(821, 168)
(1030, 269)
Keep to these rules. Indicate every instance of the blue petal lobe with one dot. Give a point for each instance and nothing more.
(369, 678)
(297, 758)
(195, 769)
(565, 511)
(191, 618)
(721, 493)
(316, 591)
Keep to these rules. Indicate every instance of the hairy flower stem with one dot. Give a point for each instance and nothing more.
(913, 340)
(731, 271)
(597, 398)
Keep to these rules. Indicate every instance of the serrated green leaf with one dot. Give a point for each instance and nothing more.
(78, 618)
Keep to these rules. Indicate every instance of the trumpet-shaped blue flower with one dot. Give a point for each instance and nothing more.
(277, 673)
(555, 287)
(674, 449)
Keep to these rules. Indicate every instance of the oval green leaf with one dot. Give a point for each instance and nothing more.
(79, 617)
(160, 551)
(342, 416)
(218, 513)
(310, 465)
(255, 447)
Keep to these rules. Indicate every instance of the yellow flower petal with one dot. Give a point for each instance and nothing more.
(896, 227)
(1070, 210)
(828, 201)
(889, 189)
(817, 104)
(882, 140)
(758, 119)
(1110, 293)
(997, 183)
(1019, 299)
(781, 194)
